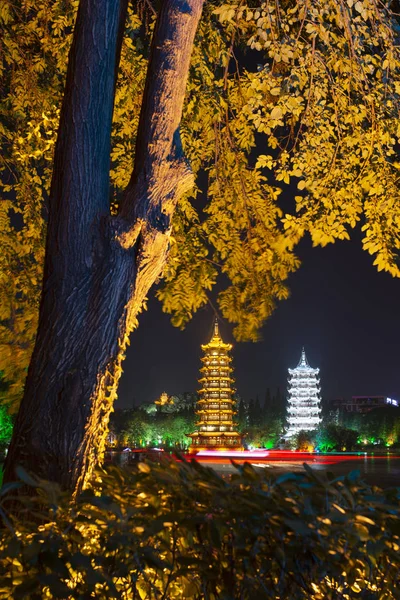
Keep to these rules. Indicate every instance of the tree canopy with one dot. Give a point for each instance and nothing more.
(298, 93)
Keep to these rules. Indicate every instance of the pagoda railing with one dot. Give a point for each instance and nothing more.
(227, 409)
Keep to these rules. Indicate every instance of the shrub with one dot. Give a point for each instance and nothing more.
(304, 441)
(6, 427)
(178, 530)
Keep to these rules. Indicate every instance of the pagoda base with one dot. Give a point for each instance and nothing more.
(231, 444)
(197, 448)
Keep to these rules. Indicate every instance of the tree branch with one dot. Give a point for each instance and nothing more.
(161, 174)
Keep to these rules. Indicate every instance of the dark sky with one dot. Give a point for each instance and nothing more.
(345, 313)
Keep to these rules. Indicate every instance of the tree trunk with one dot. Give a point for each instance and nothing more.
(98, 269)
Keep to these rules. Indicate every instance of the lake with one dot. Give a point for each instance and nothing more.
(383, 471)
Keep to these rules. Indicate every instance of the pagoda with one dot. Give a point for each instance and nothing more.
(215, 409)
(304, 410)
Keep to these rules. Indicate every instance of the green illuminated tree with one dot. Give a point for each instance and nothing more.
(166, 429)
(6, 427)
(303, 441)
(336, 437)
(242, 415)
(382, 425)
(317, 106)
(134, 431)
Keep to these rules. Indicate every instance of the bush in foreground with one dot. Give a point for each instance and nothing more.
(178, 530)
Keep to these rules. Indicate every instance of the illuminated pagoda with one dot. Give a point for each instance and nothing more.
(215, 409)
(304, 409)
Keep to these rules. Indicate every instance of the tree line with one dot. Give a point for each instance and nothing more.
(261, 423)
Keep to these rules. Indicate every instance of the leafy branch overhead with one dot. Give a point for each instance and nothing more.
(318, 109)
(298, 92)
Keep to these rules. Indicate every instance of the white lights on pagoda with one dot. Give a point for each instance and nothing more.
(304, 402)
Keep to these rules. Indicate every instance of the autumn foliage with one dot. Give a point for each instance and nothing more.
(299, 93)
(181, 531)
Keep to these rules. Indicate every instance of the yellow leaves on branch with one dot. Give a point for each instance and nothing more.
(318, 112)
(338, 76)
(323, 104)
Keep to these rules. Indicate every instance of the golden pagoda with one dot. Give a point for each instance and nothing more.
(163, 400)
(215, 409)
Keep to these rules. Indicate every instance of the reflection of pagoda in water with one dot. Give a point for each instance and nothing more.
(215, 409)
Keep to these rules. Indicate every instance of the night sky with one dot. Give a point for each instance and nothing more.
(341, 309)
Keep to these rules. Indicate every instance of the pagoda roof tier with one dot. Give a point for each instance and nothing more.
(211, 357)
(216, 341)
(217, 372)
(216, 390)
(216, 345)
(223, 423)
(207, 366)
(216, 401)
(215, 410)
(209, 404)
(216, 364)
(303, 390)
(300, 407)
(214, 394)
(214, 373)
(216, 356)
(216, 368)
(209, 373)
(223, 411)
(303, 365)
(217, 378)
(226, 413)
(217, 381)
(216, 422)
(215, 419)
(216, 425)
(211, 391)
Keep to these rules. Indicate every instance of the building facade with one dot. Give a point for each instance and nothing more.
(363, 404)
(304, 401)
(216, 407)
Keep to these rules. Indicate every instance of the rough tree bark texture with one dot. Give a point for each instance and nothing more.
(98, 269)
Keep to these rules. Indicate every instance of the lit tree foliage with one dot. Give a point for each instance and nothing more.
(381, 425)
(164, 429)
(179, 530)
(335, 437)
(323, 108)
(6, 427)
(317, 105)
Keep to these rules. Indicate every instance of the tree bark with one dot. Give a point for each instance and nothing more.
(99, 269)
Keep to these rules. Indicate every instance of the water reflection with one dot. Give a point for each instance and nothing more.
(383, 470)
(376, 470)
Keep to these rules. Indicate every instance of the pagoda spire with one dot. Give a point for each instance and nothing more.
(216, 329)
(303, 362)
(216, 407)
